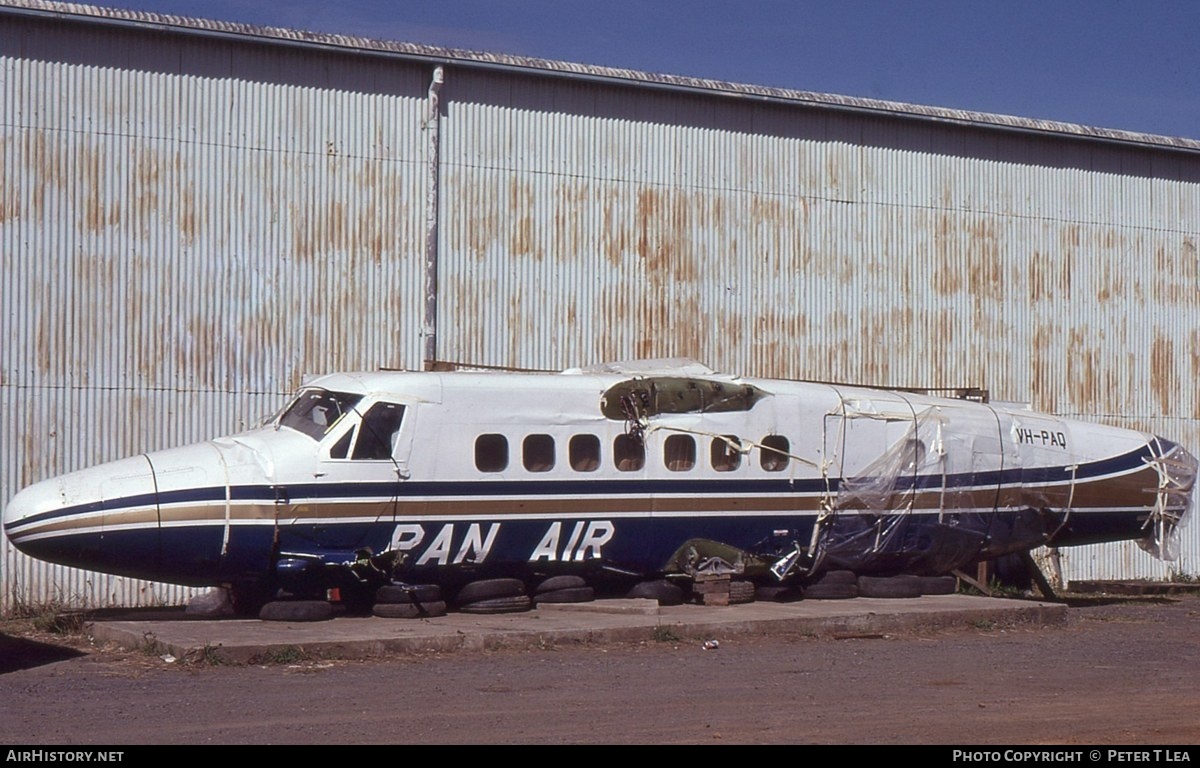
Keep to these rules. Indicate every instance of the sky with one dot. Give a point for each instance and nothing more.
(1123, 64)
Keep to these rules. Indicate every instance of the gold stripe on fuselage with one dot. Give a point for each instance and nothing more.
(1129, 491)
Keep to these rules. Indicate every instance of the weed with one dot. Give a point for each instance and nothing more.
(53, 616)
(665, 635)
(287, 654)
(149, 646)
(983, 624)
(210, 655)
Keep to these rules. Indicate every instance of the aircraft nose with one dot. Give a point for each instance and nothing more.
(26, 508)
(72, 519)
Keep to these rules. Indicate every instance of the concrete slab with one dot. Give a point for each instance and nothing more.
(603, 621)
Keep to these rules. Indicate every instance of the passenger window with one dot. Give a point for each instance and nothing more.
(725, 457)
(773, 455)
(378, 431)
(491, 453)
(679, 453)
(537, 453)
(584, 453)
(629, 453)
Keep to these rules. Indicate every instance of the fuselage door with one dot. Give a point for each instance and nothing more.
(341, 491)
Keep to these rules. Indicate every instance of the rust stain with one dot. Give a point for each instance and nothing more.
(947, 268)
(521, 202)
(612, 233)
(1163, 382)
(92, 189)
(187, 206)
(1174, 279)
(302, 235)
(8, 190)
(147, 173)
(48, 169)
(985, 271)
(1042, 389)
(483, 224)
(335, 227)
(665, 243)
(1083, 371)
(646, 216)
(44, 339)
(1194, 354)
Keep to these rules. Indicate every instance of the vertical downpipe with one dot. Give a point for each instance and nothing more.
(432, 164)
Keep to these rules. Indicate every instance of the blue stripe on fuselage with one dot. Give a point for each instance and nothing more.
(607, 487)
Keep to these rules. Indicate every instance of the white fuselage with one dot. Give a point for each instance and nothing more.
(469, 473)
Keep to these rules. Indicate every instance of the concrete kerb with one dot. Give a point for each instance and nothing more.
(609, 621)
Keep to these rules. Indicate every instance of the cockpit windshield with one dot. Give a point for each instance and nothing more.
(315, 411)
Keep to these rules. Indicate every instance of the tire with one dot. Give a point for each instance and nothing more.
(296, 610)
(741, 592)
(513, 604)
(938, 585)
(396, 611)
(418, 593)
(889, 586)
(555, 583)
(409, 610)
(489, 589)
(777, 593)
(662, 590)
(822, 591)
(836, 577)
(567, 595)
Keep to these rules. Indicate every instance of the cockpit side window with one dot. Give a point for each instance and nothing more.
(315, 411)
(377, 433)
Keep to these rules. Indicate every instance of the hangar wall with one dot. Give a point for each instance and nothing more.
(189, 227)
(194, 216)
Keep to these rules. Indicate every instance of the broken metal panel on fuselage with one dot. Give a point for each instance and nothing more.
(916, 482)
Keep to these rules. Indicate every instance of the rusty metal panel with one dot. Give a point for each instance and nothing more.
(186, 237)
(289, 213)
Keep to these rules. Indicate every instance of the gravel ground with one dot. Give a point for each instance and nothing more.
(1121, 670)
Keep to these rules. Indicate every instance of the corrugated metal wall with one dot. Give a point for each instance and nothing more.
(606, 223)
(187, 228)
(190, 225)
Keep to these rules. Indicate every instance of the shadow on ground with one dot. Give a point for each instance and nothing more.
(18, 653)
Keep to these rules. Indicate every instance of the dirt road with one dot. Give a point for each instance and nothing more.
(1120, 671)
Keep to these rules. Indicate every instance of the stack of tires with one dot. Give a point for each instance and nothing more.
(832, 585)
(778, 593)
(906, 586)
(493, 596)
(563, 589)
(409, 601)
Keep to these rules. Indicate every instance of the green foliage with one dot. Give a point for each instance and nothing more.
(53, 616)
(286, 654)
(665, 635)
(1179, 577)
